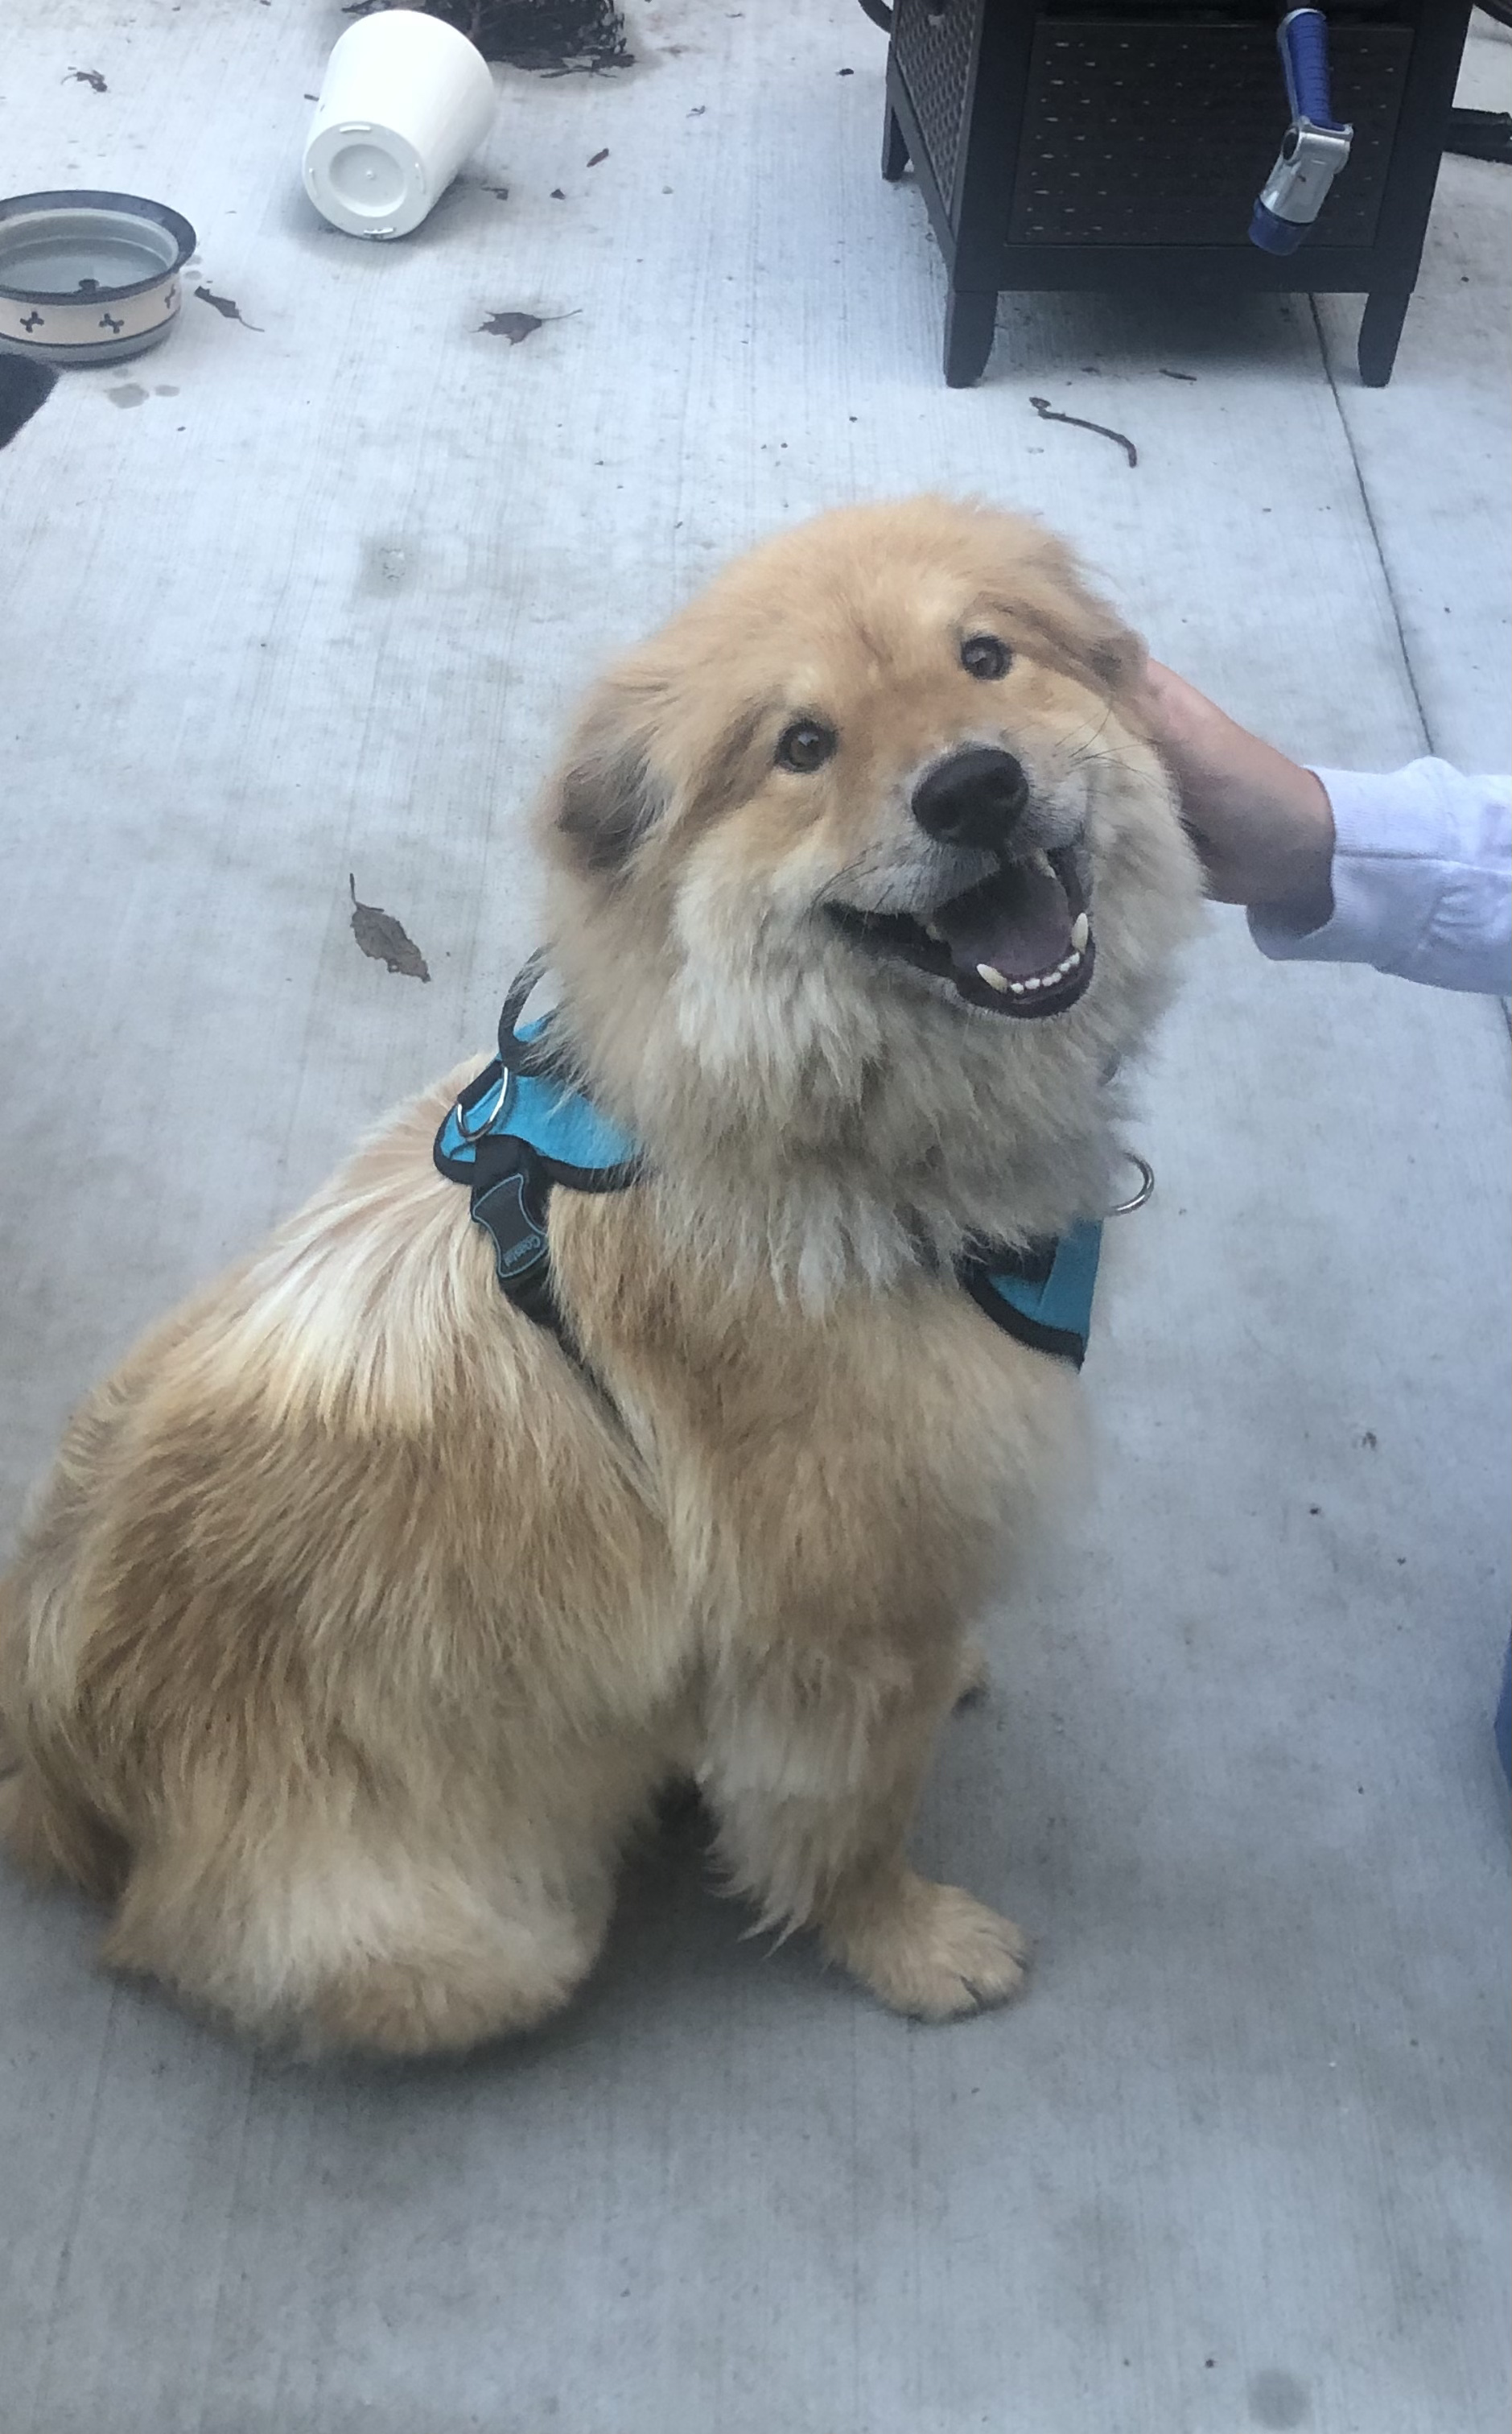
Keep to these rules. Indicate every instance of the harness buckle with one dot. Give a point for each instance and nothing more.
(508, 1201)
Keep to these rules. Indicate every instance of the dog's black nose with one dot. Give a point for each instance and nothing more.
(973, 798)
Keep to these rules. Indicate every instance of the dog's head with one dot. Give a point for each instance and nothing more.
(878, 797)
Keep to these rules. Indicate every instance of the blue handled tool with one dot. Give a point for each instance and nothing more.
(1317, 146)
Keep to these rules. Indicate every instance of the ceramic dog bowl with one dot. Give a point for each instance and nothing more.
(89, 278)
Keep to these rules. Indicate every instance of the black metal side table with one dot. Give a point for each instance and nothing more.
(1062, 145)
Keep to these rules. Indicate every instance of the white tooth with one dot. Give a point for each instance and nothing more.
(1072, 960)
(932, 930)
(1018, 988)
(995, 979)
(1034, 981)
(1081, 932)
(1040, 856)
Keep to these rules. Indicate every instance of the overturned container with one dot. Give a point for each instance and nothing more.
(405, 99)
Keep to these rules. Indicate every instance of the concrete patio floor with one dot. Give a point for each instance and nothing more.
(309, 592)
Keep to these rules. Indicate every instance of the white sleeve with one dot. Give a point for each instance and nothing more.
(1422, 880)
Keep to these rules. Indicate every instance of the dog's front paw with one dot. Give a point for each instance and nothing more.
(932, 1951)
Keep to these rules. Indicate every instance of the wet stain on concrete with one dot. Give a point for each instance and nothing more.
(1278, 2399)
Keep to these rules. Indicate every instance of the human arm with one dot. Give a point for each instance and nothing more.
(1410, 871)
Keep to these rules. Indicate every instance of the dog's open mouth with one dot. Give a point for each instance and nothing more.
(1019, 943)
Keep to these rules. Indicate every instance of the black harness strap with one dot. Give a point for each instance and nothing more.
(525, 1124)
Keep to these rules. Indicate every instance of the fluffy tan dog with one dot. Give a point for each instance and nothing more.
(358, 1622)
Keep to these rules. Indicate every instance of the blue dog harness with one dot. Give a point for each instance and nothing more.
(523, 1126)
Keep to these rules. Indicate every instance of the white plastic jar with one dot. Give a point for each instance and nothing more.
(405, 99)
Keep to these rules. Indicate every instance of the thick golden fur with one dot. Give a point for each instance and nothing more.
(354, 1630)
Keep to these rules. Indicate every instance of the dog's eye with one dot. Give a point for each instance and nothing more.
(805, 745)
(984, 655)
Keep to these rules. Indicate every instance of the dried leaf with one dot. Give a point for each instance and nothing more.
(386, 940)
(597, 157)
(224, 305)
(513, 326)
(1168, 375)
(91, 77)
(557, 196)
(585, 66)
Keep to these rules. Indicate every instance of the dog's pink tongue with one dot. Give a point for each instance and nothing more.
(1020, 924)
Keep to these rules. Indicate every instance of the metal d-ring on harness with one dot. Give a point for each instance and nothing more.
(1147, 1185)
(1043, 1294)
(473, 1120)
(524, 1125)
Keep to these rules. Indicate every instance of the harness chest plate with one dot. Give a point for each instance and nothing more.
(521, 1128)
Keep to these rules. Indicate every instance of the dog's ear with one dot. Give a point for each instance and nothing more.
(1049, 585)
(1087, 633)
(1116, 654)
(610, 794)
(605, 799)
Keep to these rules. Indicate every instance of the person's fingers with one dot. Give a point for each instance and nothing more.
(1261, 824)
(1186, 727)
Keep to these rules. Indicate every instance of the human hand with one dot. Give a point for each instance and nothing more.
(1261, 824)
